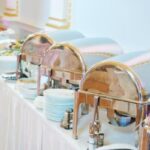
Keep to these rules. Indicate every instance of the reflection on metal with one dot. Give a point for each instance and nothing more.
(35, 46)
(37, 50)
(118, 87)
(65, 63)
(33, 51)
(69, 58)
(70, 63)
(60, 18)
(111, 98)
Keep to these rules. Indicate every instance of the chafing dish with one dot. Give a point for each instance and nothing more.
(65, 64)
(145, 134)
(68, 62)
(35, 47)
(120, 84)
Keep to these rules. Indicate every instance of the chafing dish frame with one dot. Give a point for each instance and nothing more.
(64, 75)
(145, 135)
(31, 57)
(69, 77)
(85, 96)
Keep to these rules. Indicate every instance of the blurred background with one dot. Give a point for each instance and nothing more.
(126, 21)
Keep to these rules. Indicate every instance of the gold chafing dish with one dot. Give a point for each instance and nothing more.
(68, 62)
(118, 84)
(35, 47)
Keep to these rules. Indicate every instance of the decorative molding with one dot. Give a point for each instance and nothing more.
(11, 9)
(64, 22)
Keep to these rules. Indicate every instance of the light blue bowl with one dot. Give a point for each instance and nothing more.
(57, 106)
(124, 120)
(57, 112)
(54, 117)
(59, 95)
(57, 119)
(56, 103)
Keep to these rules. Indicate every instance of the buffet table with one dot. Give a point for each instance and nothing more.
(23, 127)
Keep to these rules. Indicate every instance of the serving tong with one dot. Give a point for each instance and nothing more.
(96, 138)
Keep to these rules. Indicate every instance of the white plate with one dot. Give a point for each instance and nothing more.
(55, 110)
(53, 117)
(8, 64)
(29, 96)
(59, 94)
(59, 113)
(27, 83)
(58, 103)
(118, 147)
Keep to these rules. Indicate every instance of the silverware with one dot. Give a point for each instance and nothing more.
(66, 123)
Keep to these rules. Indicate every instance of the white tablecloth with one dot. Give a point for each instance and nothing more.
(23, 127)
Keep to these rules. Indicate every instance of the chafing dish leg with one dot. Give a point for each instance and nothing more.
(148, 109)
(38, 81)
(75, 115)
(145, 135)
(140, 114)
(78, 100)
(18, 66)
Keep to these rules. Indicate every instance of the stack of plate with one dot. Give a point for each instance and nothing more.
(56, 103)
(27, 87)
(8, 64)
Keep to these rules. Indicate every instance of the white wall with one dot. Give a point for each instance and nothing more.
(2, 4)
(126, 21)
(34, 12)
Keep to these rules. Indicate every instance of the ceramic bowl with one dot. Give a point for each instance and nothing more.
(123, 120)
